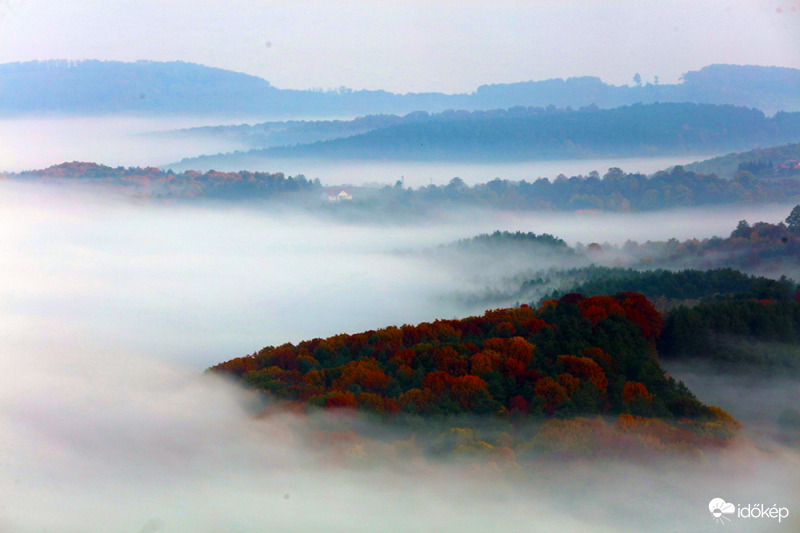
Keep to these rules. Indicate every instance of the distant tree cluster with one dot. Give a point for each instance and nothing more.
(508, 244)
(517, 238)
(760, 247)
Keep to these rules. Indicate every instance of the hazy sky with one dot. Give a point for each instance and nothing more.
(411, 45)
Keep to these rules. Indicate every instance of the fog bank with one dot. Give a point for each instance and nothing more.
(99, 439)
(204, 283)
(112, 309)
(35, 143)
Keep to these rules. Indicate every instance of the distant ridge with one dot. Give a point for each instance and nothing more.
(770, 89)
(525, 134)
(94, 87)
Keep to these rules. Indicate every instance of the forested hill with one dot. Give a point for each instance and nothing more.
(103, 87)
(547, 133)
(572, 357)
(151, 182)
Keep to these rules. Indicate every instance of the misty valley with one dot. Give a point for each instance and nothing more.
(199, 339)
(422, 347)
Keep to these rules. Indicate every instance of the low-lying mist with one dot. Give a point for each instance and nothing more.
(34, 143)
(98, 439)
(205, 282)
(112, 309)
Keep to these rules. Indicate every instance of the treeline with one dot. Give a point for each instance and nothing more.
(571, 357)
(151, 182)
(679, 285)
(615, 191)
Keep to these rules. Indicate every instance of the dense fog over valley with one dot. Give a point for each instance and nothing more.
(115, 306)
(114, 438)
(210, 281)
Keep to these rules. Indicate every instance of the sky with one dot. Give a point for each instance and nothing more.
(412, 45)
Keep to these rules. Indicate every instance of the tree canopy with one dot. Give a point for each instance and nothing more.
(572, 357)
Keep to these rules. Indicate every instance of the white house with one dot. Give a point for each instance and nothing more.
(338, 194)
